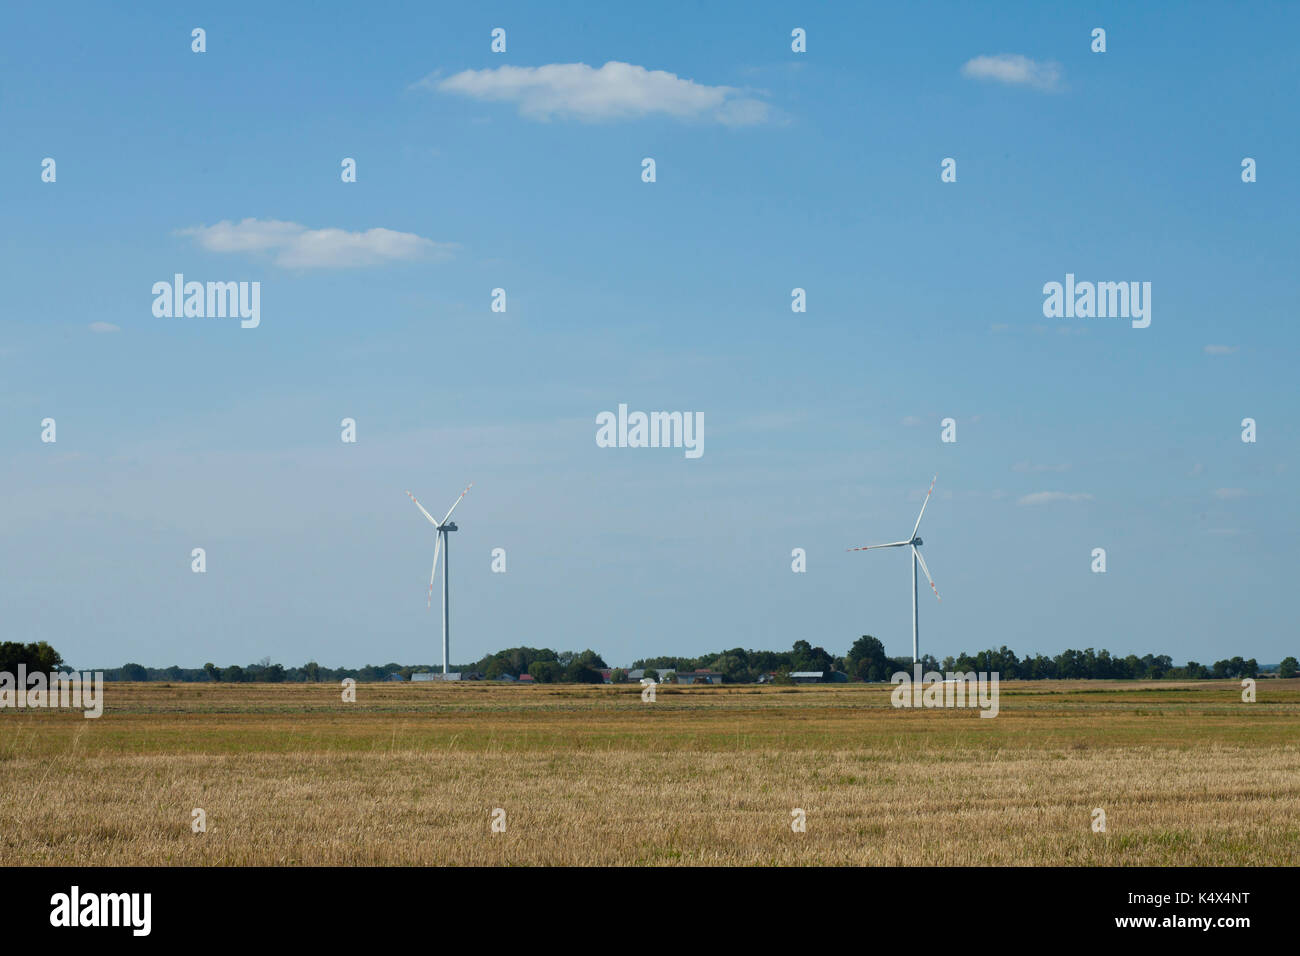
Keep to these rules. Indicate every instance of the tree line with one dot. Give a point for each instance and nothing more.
(543, 664)
(866, 660)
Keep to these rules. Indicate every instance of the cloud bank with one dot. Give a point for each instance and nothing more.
(294, 246)
(615, 91)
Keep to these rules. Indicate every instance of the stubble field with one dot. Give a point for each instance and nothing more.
(289, 774)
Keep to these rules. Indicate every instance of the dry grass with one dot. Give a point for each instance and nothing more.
(289, 774)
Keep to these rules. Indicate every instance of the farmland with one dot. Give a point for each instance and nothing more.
(289, 774)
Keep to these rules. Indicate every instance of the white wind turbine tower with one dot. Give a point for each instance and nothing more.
(444, 527)
(914, 542)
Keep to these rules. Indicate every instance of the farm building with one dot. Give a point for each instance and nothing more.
(818, 677)
(699, 677)
(807, 677)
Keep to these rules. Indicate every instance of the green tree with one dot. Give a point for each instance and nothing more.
(809, 658)
(735, 666)
(47, 658)
(589, 658)
(514, 661)
(866, 660)
(1289, 667)
(210, 669)
(36, 657)
(134, 672)
(545, 672)
(580, 673)
(312, 670)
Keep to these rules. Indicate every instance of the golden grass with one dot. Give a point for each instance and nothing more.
(289, 774)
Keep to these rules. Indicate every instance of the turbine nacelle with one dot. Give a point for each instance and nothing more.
(916, 542)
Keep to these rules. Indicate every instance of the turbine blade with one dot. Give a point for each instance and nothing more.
(927, 572)
(434, 573)
(422, 511)
(872, 547)
(923, 504)
(456, 502)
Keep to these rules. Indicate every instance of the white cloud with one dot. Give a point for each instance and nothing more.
(294, 246)
(103, 327)
(1220, 349)
(613, 92)
(1014, 69)
(1229, 493)
(1046, 497)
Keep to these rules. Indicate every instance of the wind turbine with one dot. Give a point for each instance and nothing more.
(914, 542)
(444, 527)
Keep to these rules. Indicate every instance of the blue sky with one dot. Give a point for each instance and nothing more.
(775, 170)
